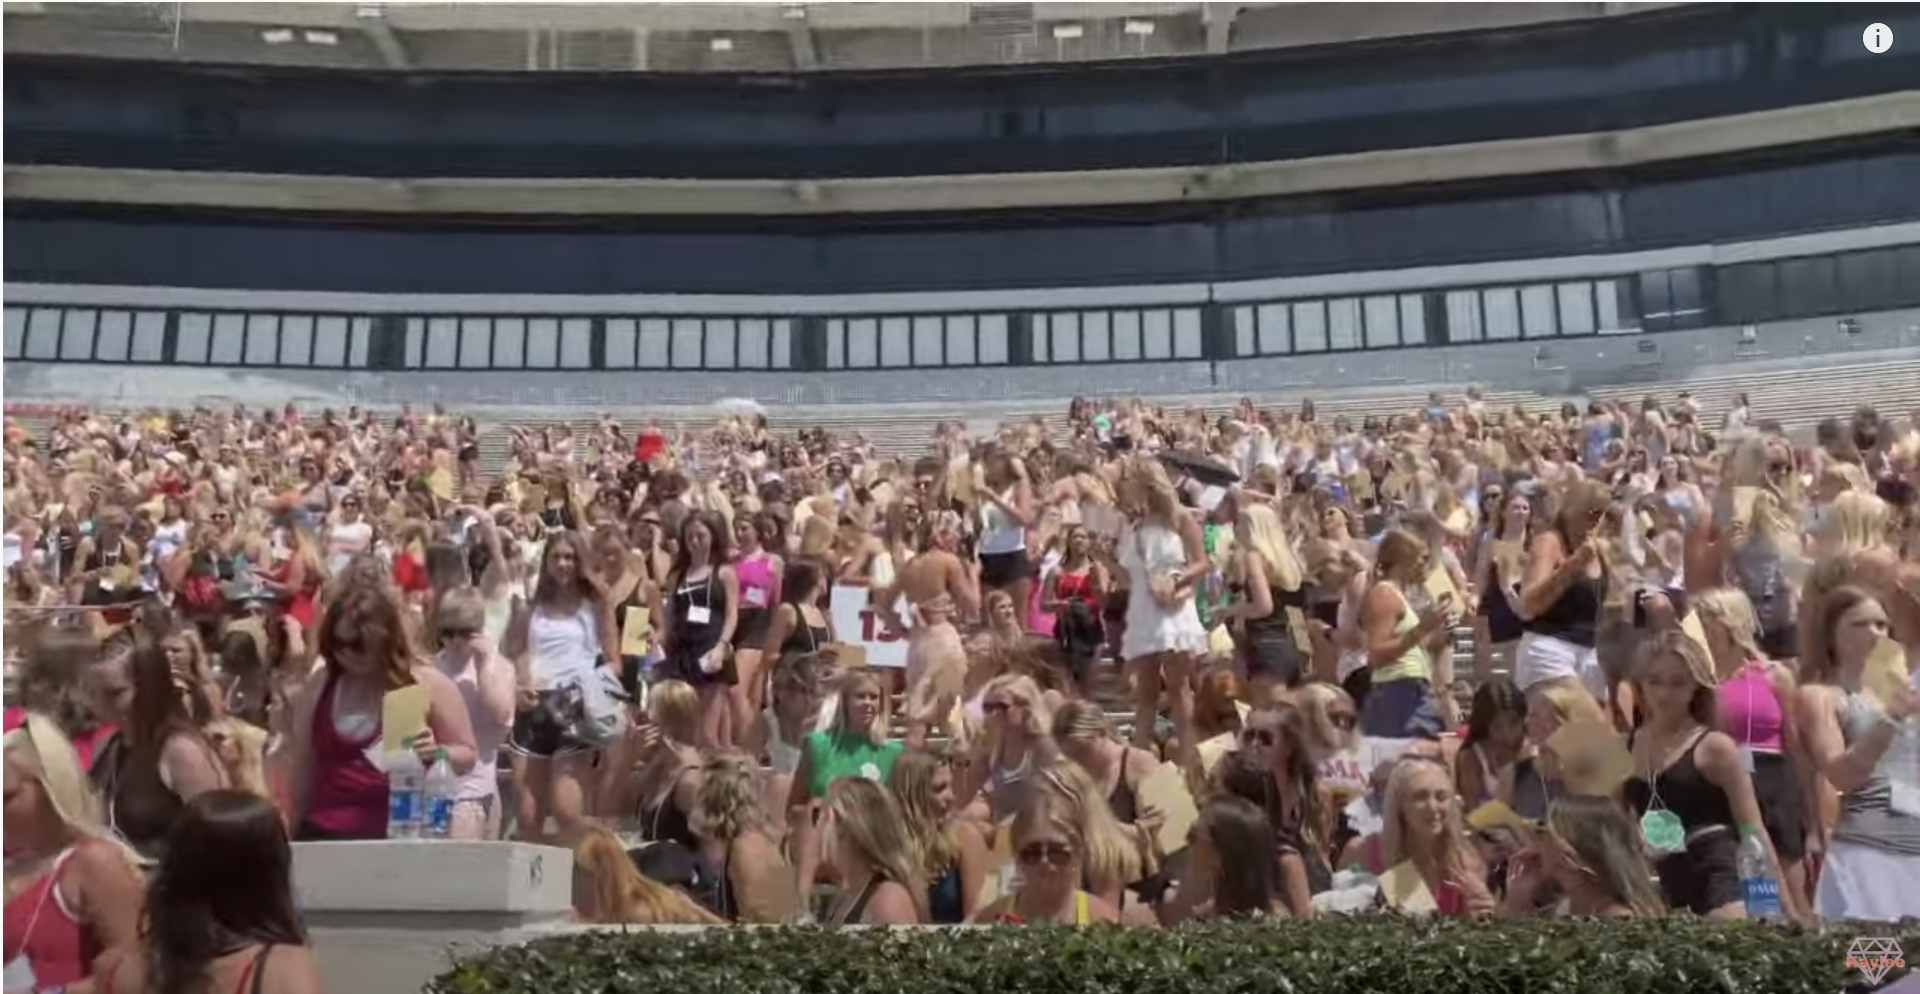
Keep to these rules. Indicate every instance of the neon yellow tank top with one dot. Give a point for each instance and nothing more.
(1414, 664)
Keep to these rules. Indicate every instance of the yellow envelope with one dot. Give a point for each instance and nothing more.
(999, 859)
(636, 623)
(1496, 814)
(1592, 757)
(1404, 888)
(1297, 625)
(1506, 556)
(1166, 789)
(1885, 674)
(1440, 587)
(403, 714)
(440, 483)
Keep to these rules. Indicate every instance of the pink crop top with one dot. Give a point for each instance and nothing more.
(1749, 709)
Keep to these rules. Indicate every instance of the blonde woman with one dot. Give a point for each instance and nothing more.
(1756, 700)
(952, 850)
(1400, 643)
(1085, 736)
(1855, 549)
(1015, 740)
(1690, 788)
(662, 792)
(1116, 855)
(1423, 826)
(1265, 578)
(1164, 557)
(1591, 854)
(754, 884)
(1760, 551)
(1874, 852)
(610, 890)
(880, 879)
(72, 890)
(1051, 850)
(855, 745)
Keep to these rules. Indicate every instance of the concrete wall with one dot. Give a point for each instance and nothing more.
(384, 917)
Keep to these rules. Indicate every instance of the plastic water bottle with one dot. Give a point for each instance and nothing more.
(1901, 763)
(406, 794)
(1756, 877)
(441, 788)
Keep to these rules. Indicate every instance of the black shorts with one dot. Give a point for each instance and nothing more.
(1004, 569)
(684, 665)
(1776, 790)
(751, 630)
(1704, 877)
(546, 729)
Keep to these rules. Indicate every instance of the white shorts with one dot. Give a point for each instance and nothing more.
(1540, 658)
(1867, 883)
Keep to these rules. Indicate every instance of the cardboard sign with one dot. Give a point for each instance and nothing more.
(403, 714)
(1166, 789)
(856, 623)
(847, 654)
(1297, 627)
(1496, 814)
(1440, 587)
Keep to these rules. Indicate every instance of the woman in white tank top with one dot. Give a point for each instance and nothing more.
(1164, 557)
(556, 641)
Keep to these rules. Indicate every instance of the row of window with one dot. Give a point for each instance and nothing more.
(921, 340)
(1118, 336)
(1686, 297)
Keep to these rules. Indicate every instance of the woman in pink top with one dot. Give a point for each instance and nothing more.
(336, 771)
(758, 572)
(1756, 710)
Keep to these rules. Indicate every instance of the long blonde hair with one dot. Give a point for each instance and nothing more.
(1856, 522)
(1598, 838)
(936, 844)
(865, 814)
(1455, 855)
(40, 750)
(1262, 532)
(1729, 608)
(1160, 503)
(1111, 857)
(622, 895)
(729, 803)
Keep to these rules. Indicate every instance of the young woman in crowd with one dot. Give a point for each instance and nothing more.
(1873, 852)
(335, 771)
(797, 708)
(1561, 593)
(664, 788)
(855, 745)
(1691, 789)
(557, 641)
(1015, 740)
(1164, 557)
(939, 590)
(1265, 579)
(754, 883)
(1275, 770)
(1073, 593)
(866, 835)
(1051, 851)
(1233, 873)
(1084, 735)
(952, 851)
(72, 890)
(700, 613)
(759, 572)
(1590, 853)
(1423, 827)
(486, 683)
(1497, 577)
(1756, 701)
(608, 889)
(1117, 856)
(220, 912)
(1494, 746)
(1336, 565)
(1400, 643)
(1007, 511)
(162, 757)
(800, 624)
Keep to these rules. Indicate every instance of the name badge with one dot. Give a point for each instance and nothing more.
(756, 597)
(698, 615)
(1746, 758)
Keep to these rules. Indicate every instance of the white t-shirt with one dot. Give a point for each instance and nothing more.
(346, 541)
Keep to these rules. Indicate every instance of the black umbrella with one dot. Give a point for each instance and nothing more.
(1199, 468)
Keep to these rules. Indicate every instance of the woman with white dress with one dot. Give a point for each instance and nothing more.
(1165, 558)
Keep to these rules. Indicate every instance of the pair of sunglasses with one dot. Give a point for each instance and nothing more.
(1057, 855)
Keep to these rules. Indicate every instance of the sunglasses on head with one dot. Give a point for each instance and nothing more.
(1344, 721)
(1053, 854)
(995, 707)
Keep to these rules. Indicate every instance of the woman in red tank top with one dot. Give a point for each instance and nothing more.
(72, 892)
(223, 917)
(336, 774)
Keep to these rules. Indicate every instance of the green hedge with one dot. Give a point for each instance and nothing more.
(1359, 955)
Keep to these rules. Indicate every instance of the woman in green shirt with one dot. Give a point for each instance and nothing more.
(855, 745)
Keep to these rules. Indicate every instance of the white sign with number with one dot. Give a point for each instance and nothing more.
(854, 621)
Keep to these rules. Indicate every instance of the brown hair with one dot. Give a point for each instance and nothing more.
(382, 627)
